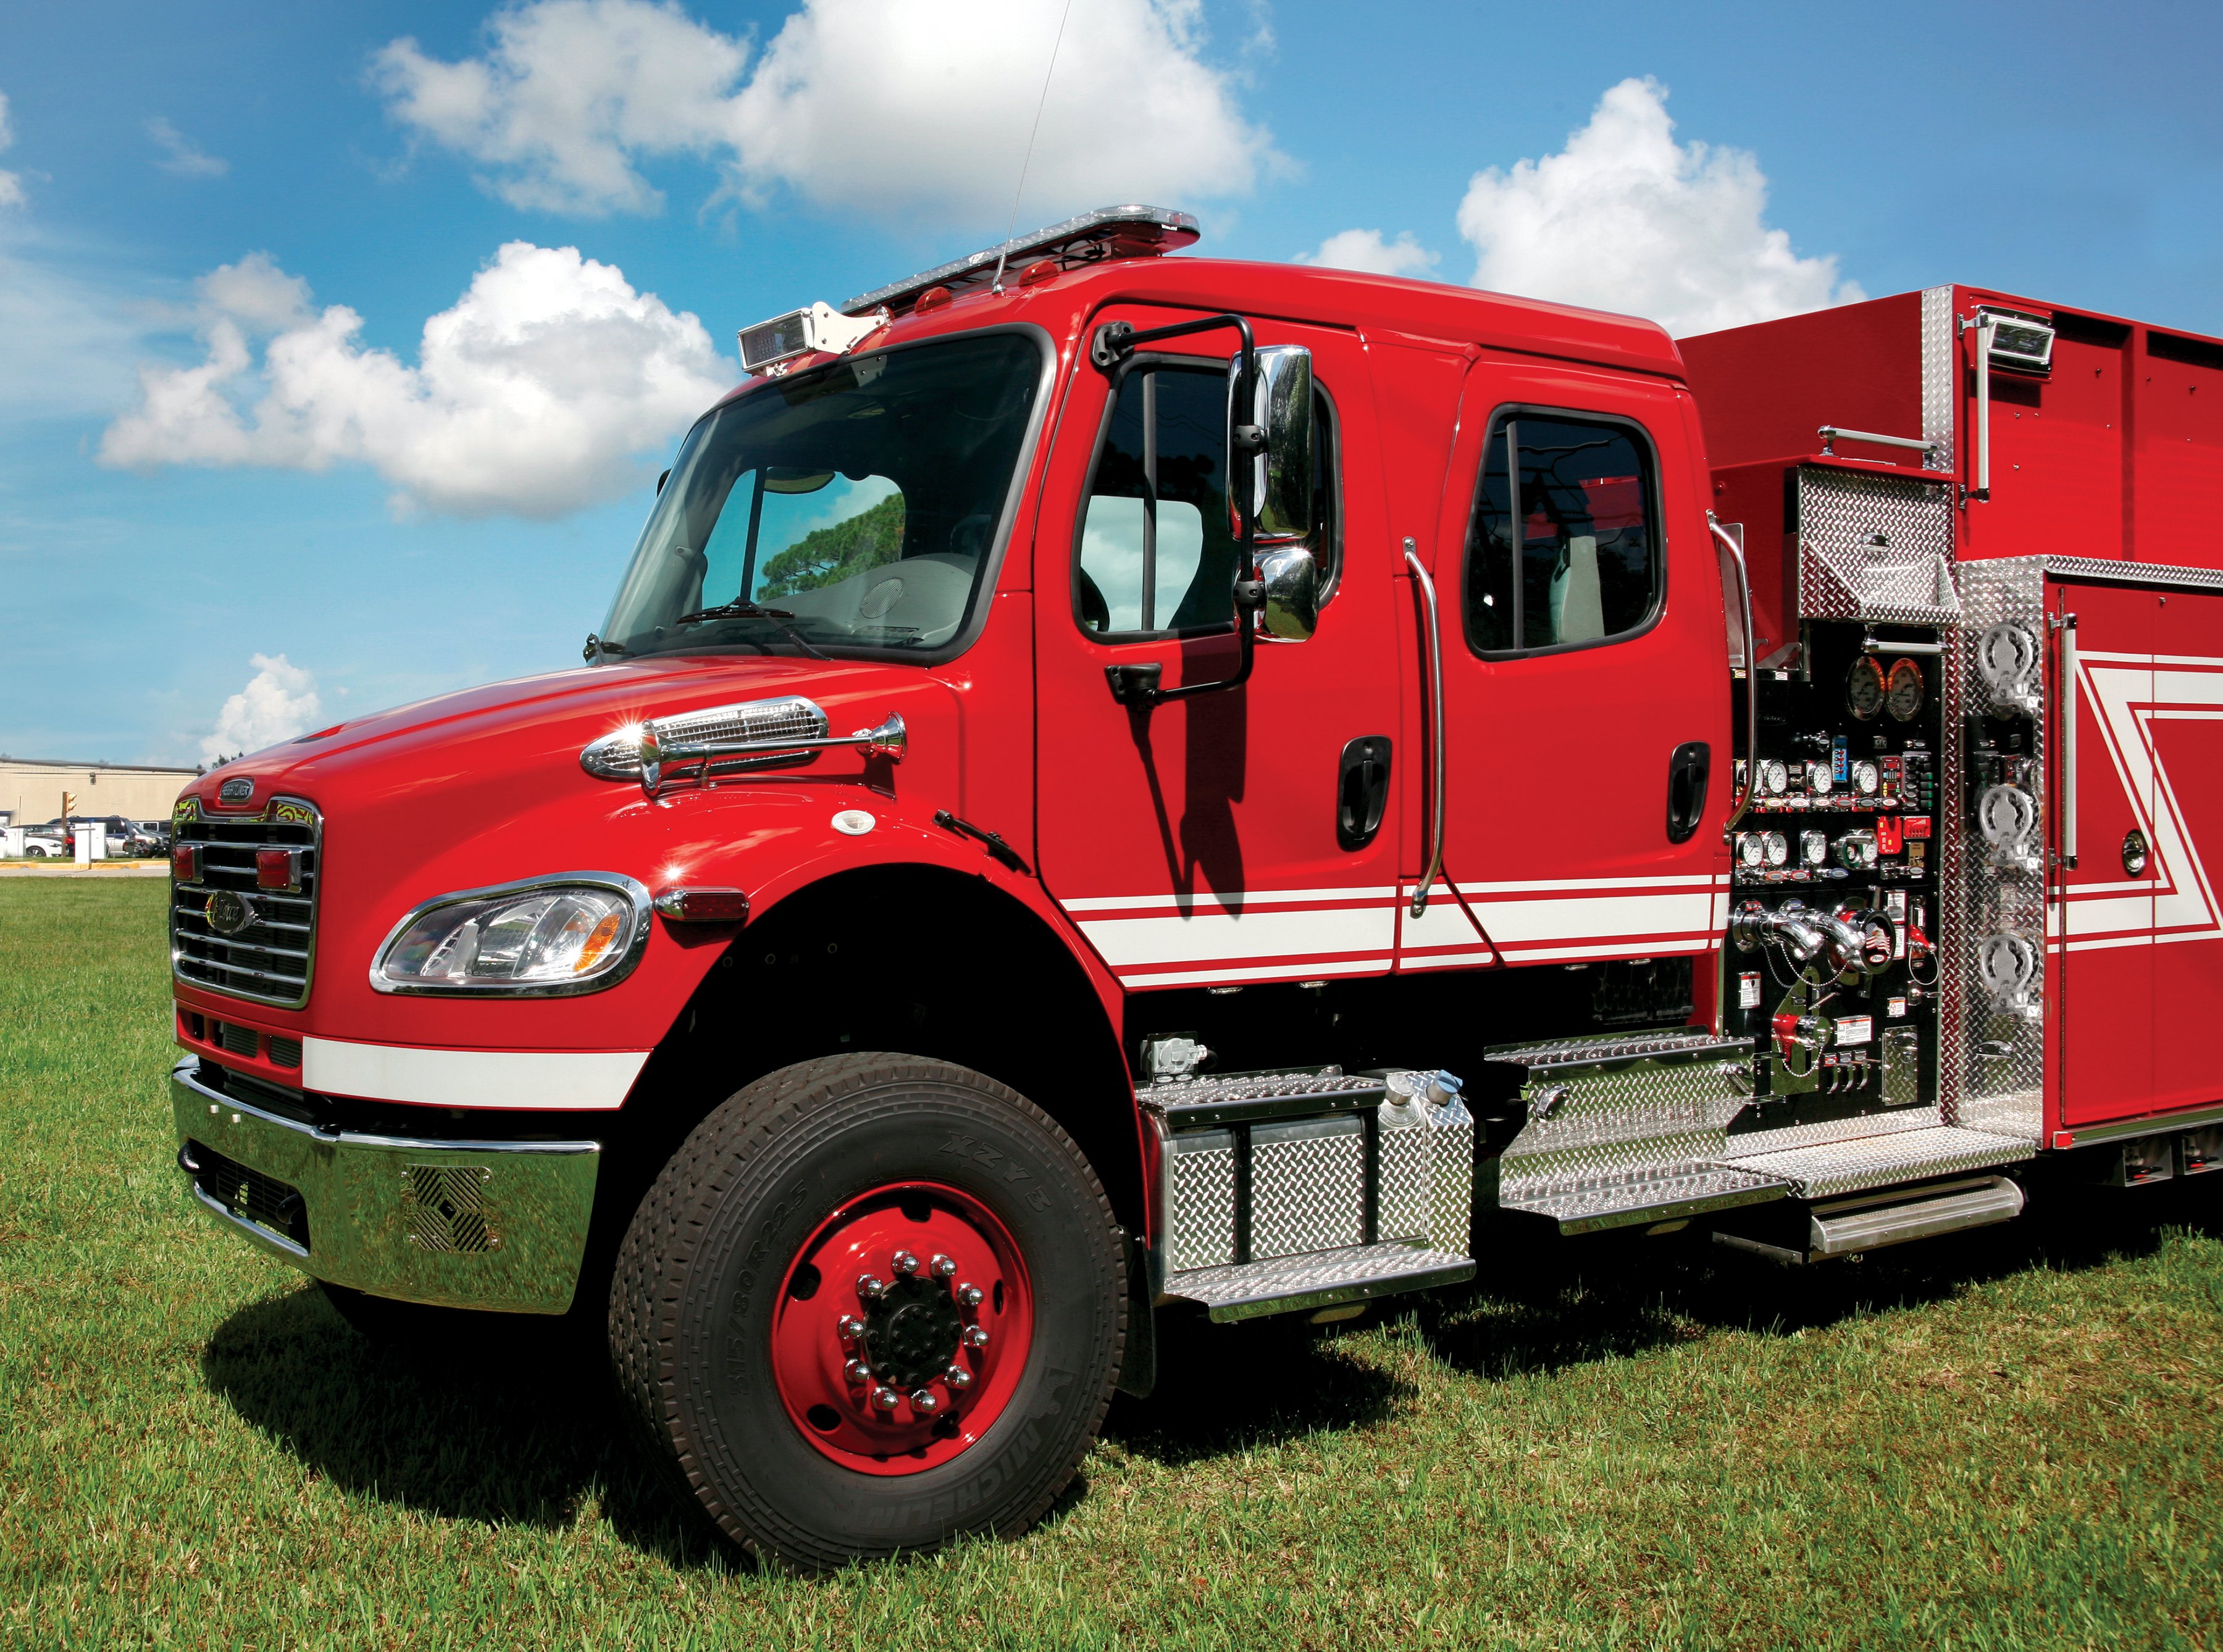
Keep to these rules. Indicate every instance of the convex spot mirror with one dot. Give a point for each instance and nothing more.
(1270, 467)
(1270, 444)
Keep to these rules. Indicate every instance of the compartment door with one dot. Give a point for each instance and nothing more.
(2105, 931)
(2184, 732)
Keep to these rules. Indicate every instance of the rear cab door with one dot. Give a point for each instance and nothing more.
(1585, 664)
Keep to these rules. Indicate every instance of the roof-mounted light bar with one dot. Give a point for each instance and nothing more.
(804, 332)
(1108, 232)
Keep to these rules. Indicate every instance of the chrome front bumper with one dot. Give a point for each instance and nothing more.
(495, 1225)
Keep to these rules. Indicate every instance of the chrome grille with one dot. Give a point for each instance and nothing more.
(271, 959)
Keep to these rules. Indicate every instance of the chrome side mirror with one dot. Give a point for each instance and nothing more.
(1291, 579)
(1269, 443)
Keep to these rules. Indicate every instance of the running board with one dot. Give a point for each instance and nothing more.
(1287, 1285)
(1848, 1226)
(1824, 1169)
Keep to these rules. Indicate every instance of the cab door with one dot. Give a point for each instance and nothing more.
(1585, 672)
(1246, 834)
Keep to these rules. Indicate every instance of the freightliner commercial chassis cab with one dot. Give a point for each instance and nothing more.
(1091, 743)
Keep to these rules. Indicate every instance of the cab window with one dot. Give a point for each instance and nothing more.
(1157, 552)
(1563, 547)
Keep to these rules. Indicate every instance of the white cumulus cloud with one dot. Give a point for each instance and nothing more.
(889, 106)
(1366, 249)
(278, 702)
(180, 154)
(1626, 218)
(11, 183)
(543, 390)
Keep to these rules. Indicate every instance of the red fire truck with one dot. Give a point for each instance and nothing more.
(1088, 745)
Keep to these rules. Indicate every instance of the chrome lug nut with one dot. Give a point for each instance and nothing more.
(850, 1327)
(885, 1399)
(870, 1287)
(943, 1267)
(903, 1262)
(857, 1372)
(958, 1377)
(976, 1337)
(971, 1295)
(924, 1402)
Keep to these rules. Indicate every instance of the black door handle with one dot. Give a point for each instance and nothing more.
(1362, 791)
(1687, 772)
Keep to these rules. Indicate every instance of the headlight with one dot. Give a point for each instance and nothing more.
(544, 938)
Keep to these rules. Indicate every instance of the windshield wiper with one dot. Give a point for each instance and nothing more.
(779, 617)
(598, 646)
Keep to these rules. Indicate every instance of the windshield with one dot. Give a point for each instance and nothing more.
(851, 508)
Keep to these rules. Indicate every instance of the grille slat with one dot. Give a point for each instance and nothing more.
(261, 1199)
(271, 959)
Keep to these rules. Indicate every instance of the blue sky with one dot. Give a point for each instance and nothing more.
(219, 500)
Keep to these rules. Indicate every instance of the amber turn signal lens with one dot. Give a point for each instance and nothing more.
(604, 935)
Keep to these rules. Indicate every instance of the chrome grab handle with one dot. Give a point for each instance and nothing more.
(1433, 643)
(1751, 676)
(1987, 328)
(890, 740)
(2069, 673)
(1832, 433)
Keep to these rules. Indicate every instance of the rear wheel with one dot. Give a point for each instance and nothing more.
(874, 1303)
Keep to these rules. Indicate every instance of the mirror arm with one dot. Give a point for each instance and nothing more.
(1112, 344)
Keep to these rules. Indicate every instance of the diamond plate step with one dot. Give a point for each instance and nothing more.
(1835, 1167)
(1320, 1279)
(1689, 1193)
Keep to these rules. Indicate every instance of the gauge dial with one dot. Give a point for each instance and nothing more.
(1778, 847)
(1817, 779)
(1864, 687)
(1813, 848)
(1904, 697)
(1774, 778)
(1750, 851)
(1866, 779)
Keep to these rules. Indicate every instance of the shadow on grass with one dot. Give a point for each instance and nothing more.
(524, 1434)
(1541, 1304)
(517, 1435)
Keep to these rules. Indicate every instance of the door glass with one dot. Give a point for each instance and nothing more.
(1156, 552)
(1577, 561)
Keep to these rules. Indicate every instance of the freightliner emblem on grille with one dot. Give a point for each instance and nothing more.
(229, 912)
(237, 789)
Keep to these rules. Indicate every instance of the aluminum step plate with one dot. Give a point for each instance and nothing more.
(1659, 1198)
(1318, 1280)
(1834, 1168)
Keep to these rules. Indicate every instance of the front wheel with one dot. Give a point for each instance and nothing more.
(874, 1302)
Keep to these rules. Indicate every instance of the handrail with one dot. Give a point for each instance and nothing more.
(1831, 433)
(1435, 645)
(1988, 328)
(1751, 676)
(2070, 670)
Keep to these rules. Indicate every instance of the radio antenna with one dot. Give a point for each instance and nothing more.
(1003, 252)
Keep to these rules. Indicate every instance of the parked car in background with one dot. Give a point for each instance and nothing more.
(41, 844)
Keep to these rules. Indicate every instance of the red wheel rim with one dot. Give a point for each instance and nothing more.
(902, 1328)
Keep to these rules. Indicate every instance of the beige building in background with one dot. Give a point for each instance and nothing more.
(31, 790)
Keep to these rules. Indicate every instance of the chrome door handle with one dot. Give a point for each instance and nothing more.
(1433, 646)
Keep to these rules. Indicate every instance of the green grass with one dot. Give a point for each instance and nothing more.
(2006, 1439)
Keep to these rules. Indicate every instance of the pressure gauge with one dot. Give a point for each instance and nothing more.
(1817, 779)
(1864, 687)
(1866, 779)
(1774, 777)
(1903, 698)
(1750, 851)
(1778, 847)
(1813, 849)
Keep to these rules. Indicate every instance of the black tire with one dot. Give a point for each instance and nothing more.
(692, 1304)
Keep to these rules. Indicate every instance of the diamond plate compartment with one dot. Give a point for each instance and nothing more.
(1618, 1113)
(1200, 1200)
(1307, 1186)
(1875, 548)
